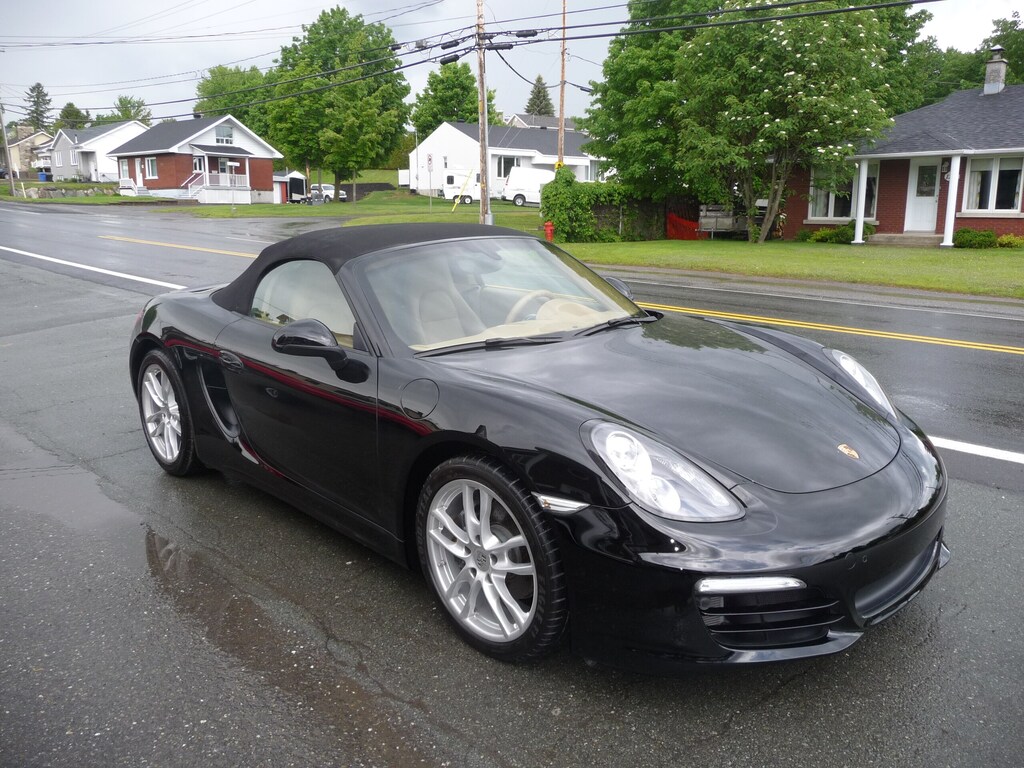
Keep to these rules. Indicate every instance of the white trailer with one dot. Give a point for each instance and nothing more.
(523, 185)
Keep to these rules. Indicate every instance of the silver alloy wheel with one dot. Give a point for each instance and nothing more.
(160, 413)
(480, 561)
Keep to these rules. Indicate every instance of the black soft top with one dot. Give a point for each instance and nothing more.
(336, 246)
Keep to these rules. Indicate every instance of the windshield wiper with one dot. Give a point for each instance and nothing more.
(617, 322)
(497, 342)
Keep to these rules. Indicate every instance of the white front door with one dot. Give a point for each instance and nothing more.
(923, 195)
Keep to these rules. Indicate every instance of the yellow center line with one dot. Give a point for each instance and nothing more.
(176, 245)
(840, 329)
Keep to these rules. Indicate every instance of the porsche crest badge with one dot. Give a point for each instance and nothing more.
(848, 451)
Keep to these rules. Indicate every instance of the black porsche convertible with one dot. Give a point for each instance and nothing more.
(559, 462)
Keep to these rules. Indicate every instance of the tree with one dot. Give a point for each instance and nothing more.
(71, 116)
(38, 103)
(756, 100)
(230, 91)
(335, 51)
(1009, 35)
(451, 96)
(365, 122)
(539, 102)
(631, 120)
(127, 108)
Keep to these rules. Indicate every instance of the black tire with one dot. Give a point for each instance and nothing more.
(467, 200)
(518, 201)
(166, 420)
(507, 601)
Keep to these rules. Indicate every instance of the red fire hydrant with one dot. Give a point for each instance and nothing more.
(549, 231)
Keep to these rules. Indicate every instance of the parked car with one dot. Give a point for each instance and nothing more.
(474, 402)
(328, 193)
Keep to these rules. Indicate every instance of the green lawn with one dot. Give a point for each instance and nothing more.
(989, 272)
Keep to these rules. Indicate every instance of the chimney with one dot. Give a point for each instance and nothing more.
(995, 72)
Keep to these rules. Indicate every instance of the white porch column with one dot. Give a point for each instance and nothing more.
(862, 192)
(952, 193)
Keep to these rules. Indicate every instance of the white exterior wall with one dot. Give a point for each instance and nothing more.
(454, 151)
(450, 149)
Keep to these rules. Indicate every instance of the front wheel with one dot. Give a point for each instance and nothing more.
(490, 557)
(165, 416)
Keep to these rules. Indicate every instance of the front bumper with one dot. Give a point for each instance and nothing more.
(649, 597)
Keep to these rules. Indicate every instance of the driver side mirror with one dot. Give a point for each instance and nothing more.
(311, 338)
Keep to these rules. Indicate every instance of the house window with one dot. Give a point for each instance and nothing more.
(74, 157)
(198, 163)
(839, 203)
(58, 157)
(993, 184)
(225, 134)
(151, 168)
(123, 166)
(506, 164)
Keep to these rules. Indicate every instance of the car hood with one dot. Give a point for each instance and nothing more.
(714, 394)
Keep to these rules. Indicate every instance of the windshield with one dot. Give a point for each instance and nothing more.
(463, 291)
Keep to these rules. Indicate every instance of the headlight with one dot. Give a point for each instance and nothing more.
(863, 377)
(661, 480)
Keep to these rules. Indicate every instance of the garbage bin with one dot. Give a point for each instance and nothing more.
(42, 176)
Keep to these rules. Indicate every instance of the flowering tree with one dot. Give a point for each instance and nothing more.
(757, 99)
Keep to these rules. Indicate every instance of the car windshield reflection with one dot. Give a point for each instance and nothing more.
(456, 293)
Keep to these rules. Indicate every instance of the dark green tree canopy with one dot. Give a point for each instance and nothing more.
(71, 116)
(37, 101)
(231, 91)
(539, 102)
(451, 96)
(1007, 34)
(127, 108)
(352, 86)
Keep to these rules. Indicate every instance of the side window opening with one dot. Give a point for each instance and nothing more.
(297, 290)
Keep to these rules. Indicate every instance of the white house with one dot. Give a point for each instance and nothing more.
(453, 149)
(82, 153)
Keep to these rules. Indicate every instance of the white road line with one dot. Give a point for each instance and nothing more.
(250, 240)
(110, 272)
(978, 450)
(24, 213)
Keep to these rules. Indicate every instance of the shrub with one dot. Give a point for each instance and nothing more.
(1010, 241)
(843, 234)
(803, 236)
(966, 237)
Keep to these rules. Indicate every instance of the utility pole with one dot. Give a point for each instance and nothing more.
(485, 186)
(7, 151)
(561, 100)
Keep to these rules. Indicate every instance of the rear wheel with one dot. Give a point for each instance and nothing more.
(518, 201)
(491, 559)
(467, 200)
(164, 413)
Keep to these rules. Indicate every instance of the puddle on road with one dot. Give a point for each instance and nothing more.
(281, 642)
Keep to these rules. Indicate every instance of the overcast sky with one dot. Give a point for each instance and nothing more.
(251, 33)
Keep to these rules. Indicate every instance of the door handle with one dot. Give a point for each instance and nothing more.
(232, 362)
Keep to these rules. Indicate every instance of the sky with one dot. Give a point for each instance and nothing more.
(193, 35)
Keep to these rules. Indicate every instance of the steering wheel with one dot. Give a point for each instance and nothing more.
(524, 302)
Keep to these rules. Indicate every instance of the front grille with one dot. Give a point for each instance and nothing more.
(769, 619)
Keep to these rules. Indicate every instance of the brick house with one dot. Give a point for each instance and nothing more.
(208, 159)
(958, 163)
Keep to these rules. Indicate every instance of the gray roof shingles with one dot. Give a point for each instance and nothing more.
(965, 120)
(162, 136)
(541, 140)
(82, 135)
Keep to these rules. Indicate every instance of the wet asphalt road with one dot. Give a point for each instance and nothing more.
(146, 620)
